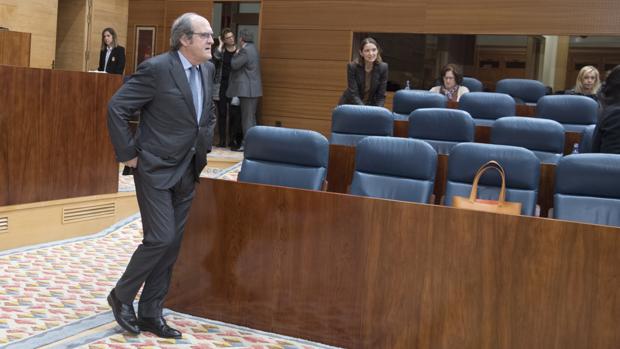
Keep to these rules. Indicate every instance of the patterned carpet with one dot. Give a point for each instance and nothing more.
(54, 295)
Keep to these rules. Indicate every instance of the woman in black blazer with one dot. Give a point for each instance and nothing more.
(115, 61)
(366, 76)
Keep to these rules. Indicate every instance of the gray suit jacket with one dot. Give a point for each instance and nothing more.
(245, 78)
(168, 136)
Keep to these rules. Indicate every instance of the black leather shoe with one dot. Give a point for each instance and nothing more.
(158, 326)
(123, 313)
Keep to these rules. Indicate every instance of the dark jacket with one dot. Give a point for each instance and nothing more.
(116, 62)
(354, 94)
(606, 137)
(169, 135)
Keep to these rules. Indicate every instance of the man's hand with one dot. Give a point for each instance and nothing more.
(133, 163)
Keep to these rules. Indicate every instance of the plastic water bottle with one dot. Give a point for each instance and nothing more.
(407, 85)
(575, 148)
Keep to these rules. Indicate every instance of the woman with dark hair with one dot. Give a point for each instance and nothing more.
(606, 137)
(451, 83)
(112, 56)
(366, 76)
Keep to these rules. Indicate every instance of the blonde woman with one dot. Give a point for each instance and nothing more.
(588, 83)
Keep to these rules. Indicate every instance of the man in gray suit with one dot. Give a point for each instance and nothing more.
(245, 81)
(167, 154)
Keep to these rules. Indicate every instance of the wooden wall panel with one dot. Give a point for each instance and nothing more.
(58, 145)
(15, 48)
(37, 17)
(71, 35)
(300, 103)
(144, 13)
(318, 125)
(4, 140)
(368, 273)
(295, 44)
(304, 74)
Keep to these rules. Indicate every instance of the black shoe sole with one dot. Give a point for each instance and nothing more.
(148, 329)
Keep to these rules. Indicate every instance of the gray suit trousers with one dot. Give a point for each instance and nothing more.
(248, 107)
(164, 214)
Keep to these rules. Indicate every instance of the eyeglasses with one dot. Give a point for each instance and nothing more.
(202, 35)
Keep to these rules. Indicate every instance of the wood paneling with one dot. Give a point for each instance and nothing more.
(304, 74)
(15, 48)
(369, 273)
(71, 35)
(58, 146)
(300, 103)
(322, 126)
(37, 17)
(295, 44)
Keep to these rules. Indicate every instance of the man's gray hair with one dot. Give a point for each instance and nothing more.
(181, 26)
(246, 35)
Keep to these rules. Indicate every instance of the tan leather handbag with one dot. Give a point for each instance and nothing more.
(499, 206)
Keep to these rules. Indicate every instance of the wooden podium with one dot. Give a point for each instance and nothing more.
(54, 142)
(370, 273)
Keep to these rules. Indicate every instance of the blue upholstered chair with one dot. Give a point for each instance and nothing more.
(585, 146)
(394, 168)
(542, 136)
(522, 90)
(472, 84)
(522, 173)
(406, 101)
(587, 190)
(486, 107)
(441, 128)
(350, 123)
(284, 156)
(574, 112)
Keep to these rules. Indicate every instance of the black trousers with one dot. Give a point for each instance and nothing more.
(234, 128)
(164, 214)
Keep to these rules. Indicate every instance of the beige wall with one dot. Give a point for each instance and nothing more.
(70, 40)
(37, 17)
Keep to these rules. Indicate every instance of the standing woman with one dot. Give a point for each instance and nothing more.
(588, 83)
(366, 76)
(112, 56)
(451, 81)
(606, 137)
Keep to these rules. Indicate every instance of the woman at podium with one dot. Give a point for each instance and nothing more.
(112, 56)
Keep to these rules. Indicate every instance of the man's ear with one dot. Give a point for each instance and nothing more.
(185, 41)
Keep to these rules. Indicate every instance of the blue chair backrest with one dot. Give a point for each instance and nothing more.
(587, 190)
(285, 157)
(394, 168)
(406, 101)
(441, 128)
(572, 111)
(522, 169)
(350, 123)
(472, 84)
(585, 146)
(487, 105)
(523, 90)
(542, 136)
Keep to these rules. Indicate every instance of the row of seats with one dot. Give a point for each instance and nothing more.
(404, 169)
(572, 111)
(443, 128)
(521, 90)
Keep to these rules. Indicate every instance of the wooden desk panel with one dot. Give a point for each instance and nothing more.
(58, 145)
(370, 273)
(15, 48)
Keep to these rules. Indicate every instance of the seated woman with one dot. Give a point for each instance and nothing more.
(606, 137)
(366, 76)
(112, 55)
(588, 83)
(451, 83)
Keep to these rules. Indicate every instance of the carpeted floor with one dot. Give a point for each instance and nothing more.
(54, 295)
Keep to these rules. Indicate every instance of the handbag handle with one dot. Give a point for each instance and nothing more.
(474, 188)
